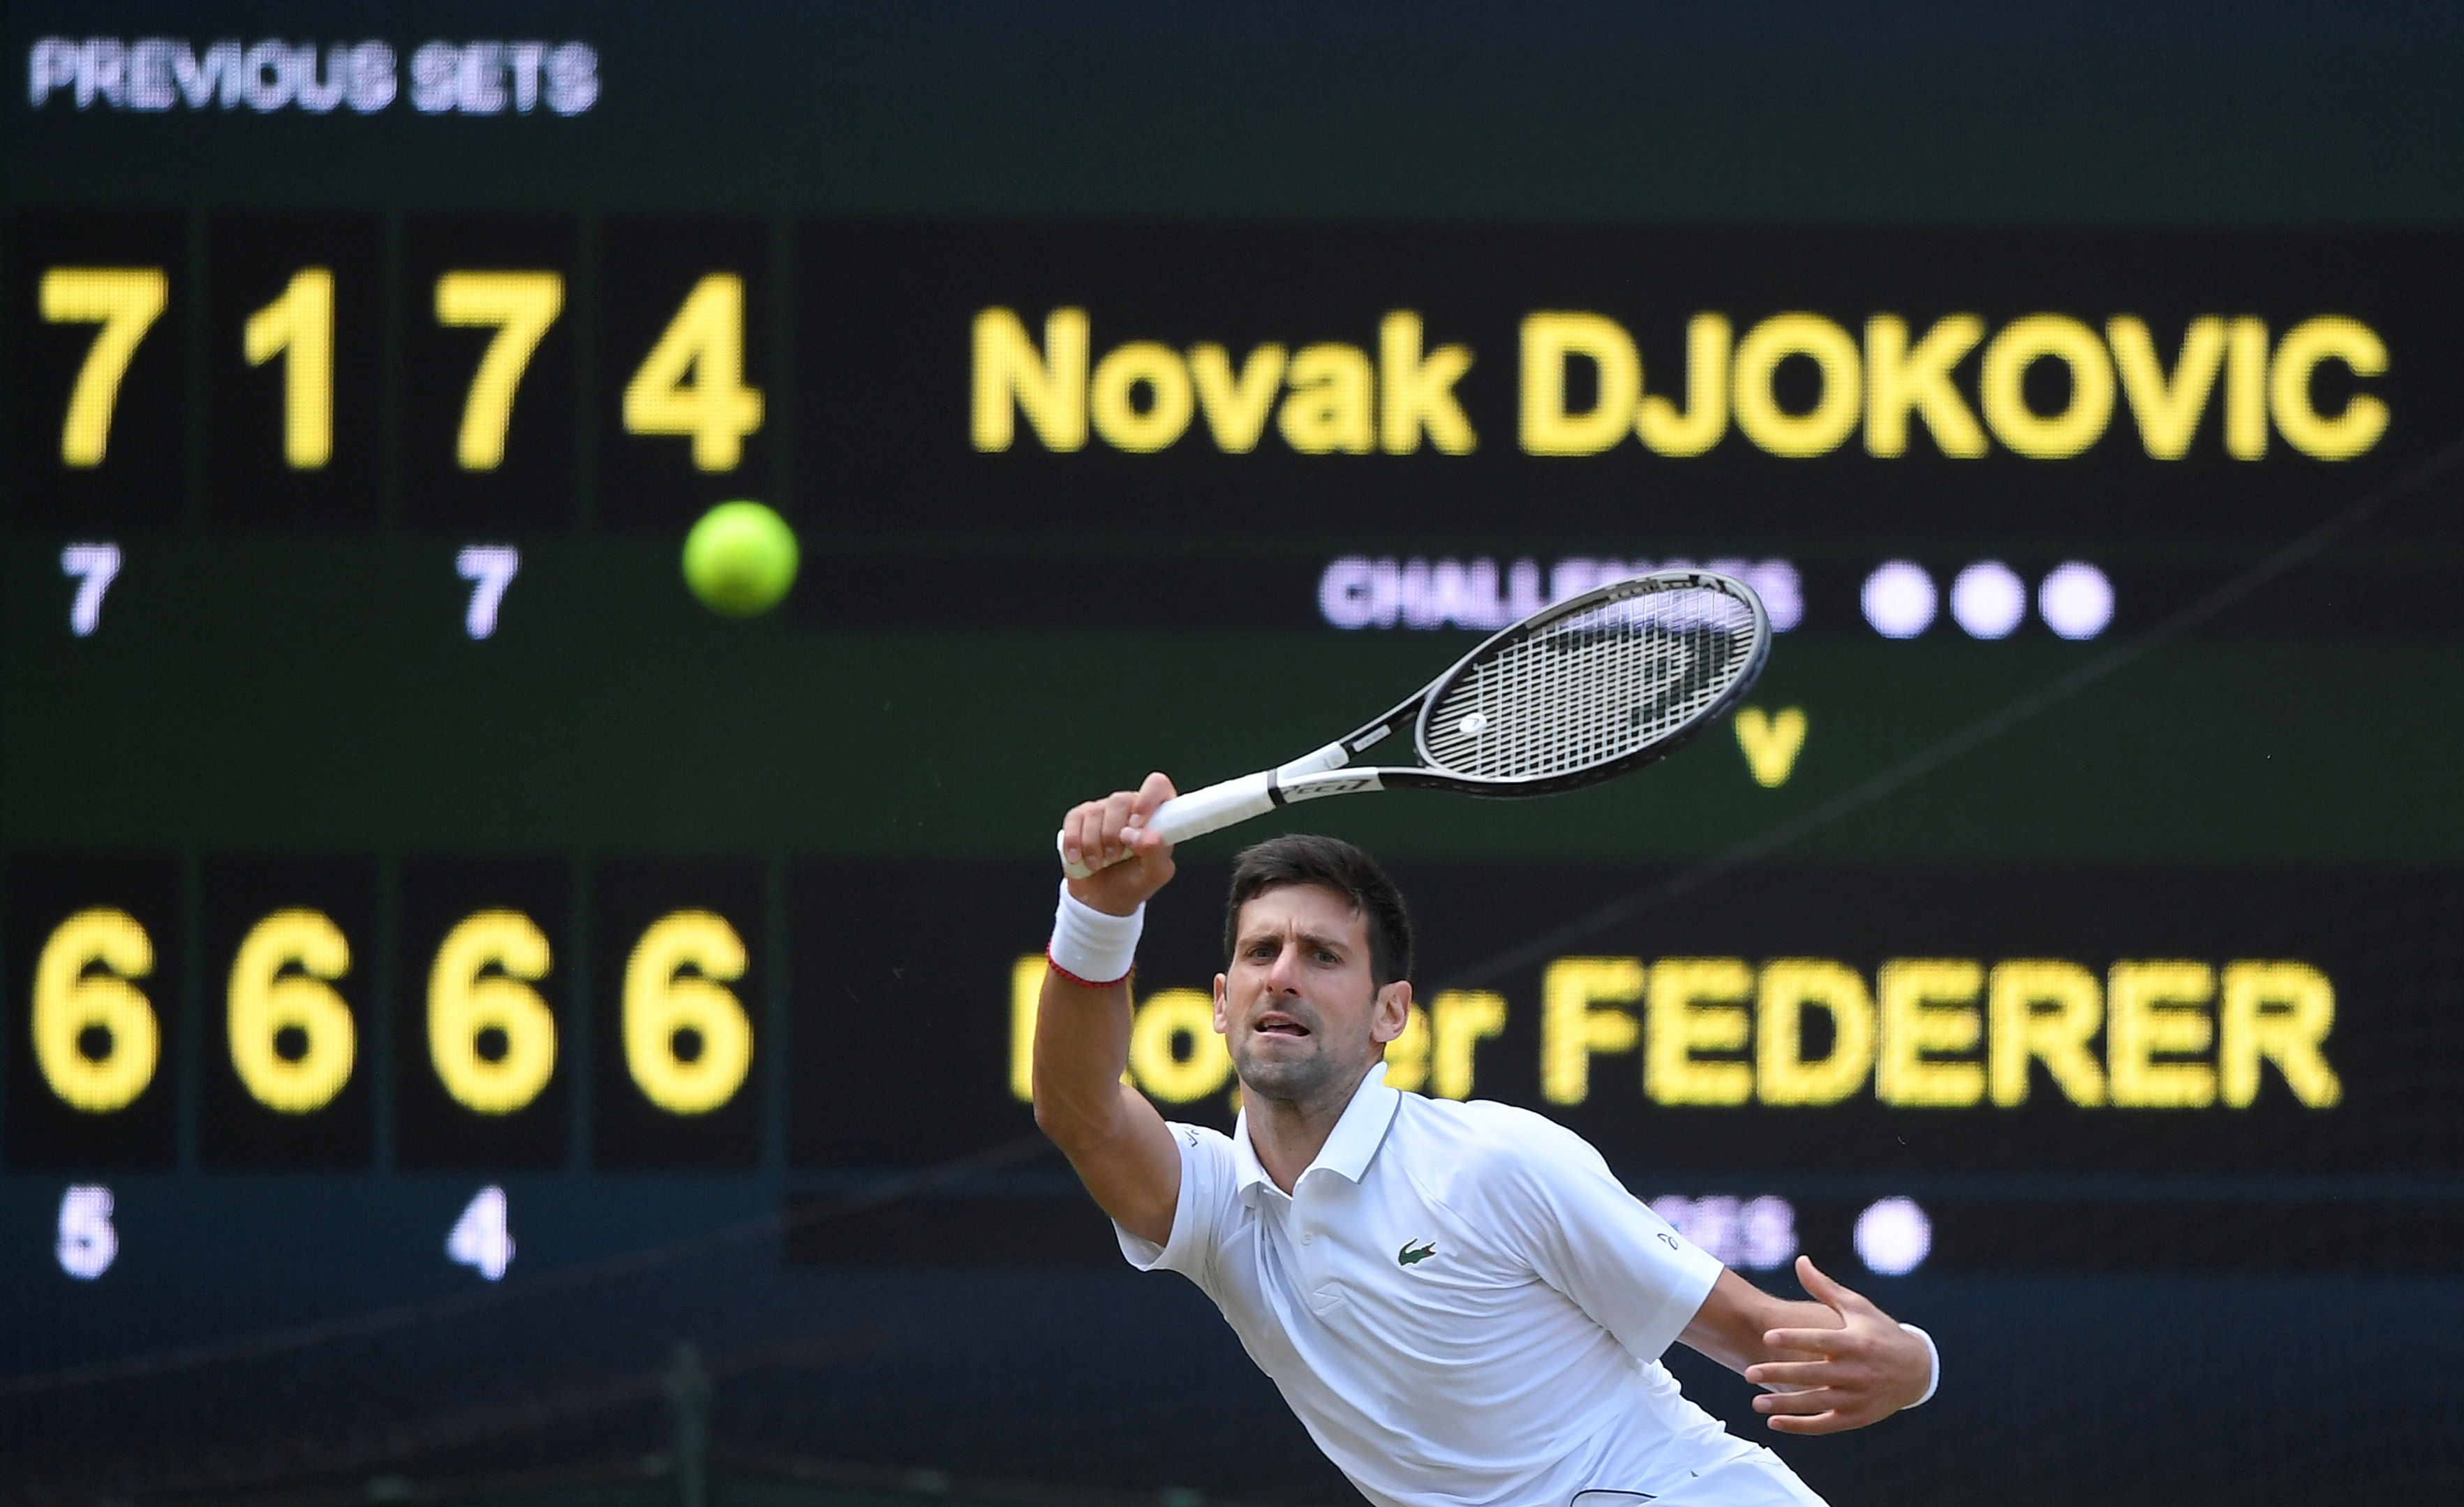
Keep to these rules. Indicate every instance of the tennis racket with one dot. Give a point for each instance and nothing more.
(1585, 690)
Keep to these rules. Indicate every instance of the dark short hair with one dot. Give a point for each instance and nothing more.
(1302, 857)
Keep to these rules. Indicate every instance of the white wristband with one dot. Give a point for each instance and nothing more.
(1931, 1354)
(1090, 948)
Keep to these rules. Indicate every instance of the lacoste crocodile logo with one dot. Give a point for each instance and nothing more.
(1414, 1253)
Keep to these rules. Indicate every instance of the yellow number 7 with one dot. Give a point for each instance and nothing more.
(125, 301)
(521, 306)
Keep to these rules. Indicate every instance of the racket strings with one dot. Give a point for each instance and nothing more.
(1594, 688)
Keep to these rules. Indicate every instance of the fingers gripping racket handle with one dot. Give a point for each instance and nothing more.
(1201, 811)
(1234, 800)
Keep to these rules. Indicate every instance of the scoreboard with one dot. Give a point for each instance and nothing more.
(396, 850)
(402, 492)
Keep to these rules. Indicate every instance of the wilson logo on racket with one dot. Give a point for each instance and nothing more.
(1412, 1255)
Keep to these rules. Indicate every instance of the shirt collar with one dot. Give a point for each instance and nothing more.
(1348, 1146)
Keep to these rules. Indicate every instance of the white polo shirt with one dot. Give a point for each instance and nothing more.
(1462, 1305)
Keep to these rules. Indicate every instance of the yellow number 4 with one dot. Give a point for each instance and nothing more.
(125, 301)
(693, 380)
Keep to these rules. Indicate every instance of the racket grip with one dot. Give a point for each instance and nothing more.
(1198, 813)
(1215, 807)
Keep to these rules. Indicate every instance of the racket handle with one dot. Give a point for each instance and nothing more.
(1198, 813)
(1213, 808)
(1219, 806)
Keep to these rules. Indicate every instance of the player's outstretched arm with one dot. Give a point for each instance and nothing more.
(1833, 1364)
(1111, 1135)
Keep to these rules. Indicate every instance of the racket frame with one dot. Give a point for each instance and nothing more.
(1328, 771)
(1300, 779)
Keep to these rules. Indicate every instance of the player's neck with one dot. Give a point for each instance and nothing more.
(1287, 1134)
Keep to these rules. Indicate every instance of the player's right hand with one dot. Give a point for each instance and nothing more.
(1110, 837)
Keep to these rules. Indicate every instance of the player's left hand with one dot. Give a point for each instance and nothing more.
(1868, 1368)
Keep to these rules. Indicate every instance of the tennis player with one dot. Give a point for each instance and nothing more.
(1462, 1305)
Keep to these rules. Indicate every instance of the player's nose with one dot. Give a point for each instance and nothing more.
(1284, 976)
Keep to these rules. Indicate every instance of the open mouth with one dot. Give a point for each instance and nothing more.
(1275, 1024)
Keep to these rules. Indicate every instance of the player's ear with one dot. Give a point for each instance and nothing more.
(1223, 1026)
(1393, 1012)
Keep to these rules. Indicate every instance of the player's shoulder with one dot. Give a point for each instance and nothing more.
(1209, 1166)
(1203, 1140)
(1485, 1123)
(1478, 1144)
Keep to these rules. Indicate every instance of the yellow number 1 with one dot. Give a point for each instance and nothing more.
(705, 341)
(521, 306)
(299, 327)
(125, 301)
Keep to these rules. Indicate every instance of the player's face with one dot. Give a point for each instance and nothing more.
(1297, 1006)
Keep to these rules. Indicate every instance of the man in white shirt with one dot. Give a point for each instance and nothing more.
(1461, 1304)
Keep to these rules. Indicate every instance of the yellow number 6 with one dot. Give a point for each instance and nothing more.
(462, 1002)
(68, 1003)
(264, 1002)
(661, 1001)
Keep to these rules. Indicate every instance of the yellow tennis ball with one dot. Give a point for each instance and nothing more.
(740, 559)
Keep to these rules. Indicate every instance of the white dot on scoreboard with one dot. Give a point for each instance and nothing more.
(2075, 599)
(1988, 600)
(1899, 600)
(1893, 1237)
